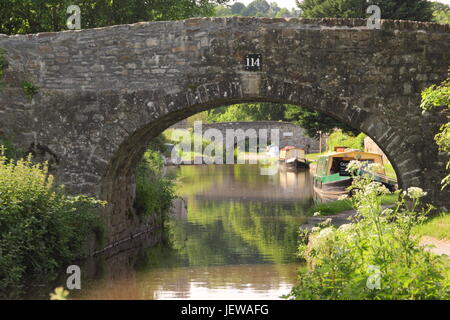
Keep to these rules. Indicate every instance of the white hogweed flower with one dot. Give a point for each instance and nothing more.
(416, 193)
(354, 166)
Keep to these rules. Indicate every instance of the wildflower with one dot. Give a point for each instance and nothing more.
(315, 229)
(354, 166)
(387, 212)
(415, 193)
(316, 214)
(346, 227)
(376, 188)
(325, 233)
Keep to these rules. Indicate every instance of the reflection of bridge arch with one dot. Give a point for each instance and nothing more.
(105, 93)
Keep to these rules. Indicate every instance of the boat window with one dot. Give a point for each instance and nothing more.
(335, 165)
(321, 166)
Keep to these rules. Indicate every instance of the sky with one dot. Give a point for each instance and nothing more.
(291, 3)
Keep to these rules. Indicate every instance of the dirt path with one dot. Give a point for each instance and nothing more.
(440, 246)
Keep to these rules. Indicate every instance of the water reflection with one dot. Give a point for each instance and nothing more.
(232, 235)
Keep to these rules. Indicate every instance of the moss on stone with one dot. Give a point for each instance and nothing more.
(29, 89)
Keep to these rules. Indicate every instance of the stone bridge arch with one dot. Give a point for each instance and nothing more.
(104, 93)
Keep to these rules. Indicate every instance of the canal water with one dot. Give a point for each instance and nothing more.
(231, 235)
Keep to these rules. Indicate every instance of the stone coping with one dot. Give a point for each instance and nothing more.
(322, 23)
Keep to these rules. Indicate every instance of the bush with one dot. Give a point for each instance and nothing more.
(41, 229)
(341, 139)
(375, 257)
(439, 97)
(154, 192)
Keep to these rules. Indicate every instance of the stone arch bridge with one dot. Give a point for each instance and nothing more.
(103, 94)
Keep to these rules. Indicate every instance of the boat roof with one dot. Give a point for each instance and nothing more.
(287, 148)
(351, 153)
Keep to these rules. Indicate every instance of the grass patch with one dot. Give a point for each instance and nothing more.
(437, 227)
(390, 172)
(338, 206)
(313, 156)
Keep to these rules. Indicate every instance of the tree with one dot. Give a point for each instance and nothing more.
(222, 11)
(237, 8)
(439, 97)
(32, 16)
(283, 13)
(315, 122)
(418, 10)
(257, 8)
(441, 12)
(248, 112)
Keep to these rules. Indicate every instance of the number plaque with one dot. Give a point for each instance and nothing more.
(253, 62)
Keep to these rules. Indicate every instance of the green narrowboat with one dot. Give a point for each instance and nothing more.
(331, 178)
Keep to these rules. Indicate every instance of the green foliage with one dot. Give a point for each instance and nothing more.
(439, 97)
(222, 11)
(256, 8)
(41, 229)
(29, 89)
(59, 294)
(376, 256)
(418, 10)
(8, 149)
(32, 16)
(201, 116)
(237, 8)
(247, 112)
(342, 139)
(312, 121)
(441, 13)
(154, 192)
(315, 122)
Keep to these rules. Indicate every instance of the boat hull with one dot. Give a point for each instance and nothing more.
(330, 191)
(296, 164)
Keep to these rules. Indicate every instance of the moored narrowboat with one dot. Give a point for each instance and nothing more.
(293, 158)
(331, 179)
